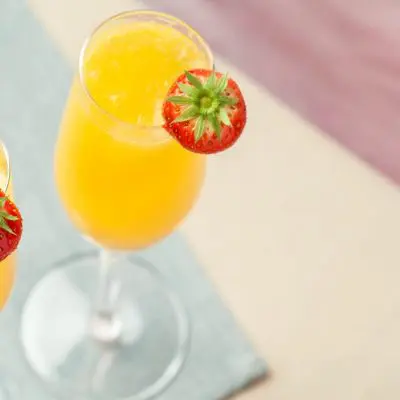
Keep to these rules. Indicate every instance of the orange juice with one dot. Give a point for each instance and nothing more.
(124, 182)
(7, 271)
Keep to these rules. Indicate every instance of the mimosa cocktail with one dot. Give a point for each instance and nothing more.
(7, 265)
(125, 184)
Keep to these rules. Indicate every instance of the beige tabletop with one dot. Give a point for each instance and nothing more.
(300, 237)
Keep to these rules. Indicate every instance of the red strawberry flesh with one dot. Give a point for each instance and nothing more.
(205, 111)
(10, 226)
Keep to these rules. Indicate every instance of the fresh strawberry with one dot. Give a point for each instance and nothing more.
(10, 226)
(205, 111)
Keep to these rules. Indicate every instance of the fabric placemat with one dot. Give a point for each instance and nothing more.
(34, 82)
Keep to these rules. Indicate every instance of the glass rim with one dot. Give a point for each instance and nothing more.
(3, 149)
(123, 15)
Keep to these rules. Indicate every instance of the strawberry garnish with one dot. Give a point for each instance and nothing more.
(10, 226)
(205, 111)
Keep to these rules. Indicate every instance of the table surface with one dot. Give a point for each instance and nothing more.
(331, 60)
(300, 238)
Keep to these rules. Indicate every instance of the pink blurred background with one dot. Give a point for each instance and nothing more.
(337, 62)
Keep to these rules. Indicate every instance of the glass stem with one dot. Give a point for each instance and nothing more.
(106, 326)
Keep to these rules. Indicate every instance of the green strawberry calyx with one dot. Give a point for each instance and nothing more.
(205, 103)
(5, 216)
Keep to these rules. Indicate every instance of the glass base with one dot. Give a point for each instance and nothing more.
(134, 355)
